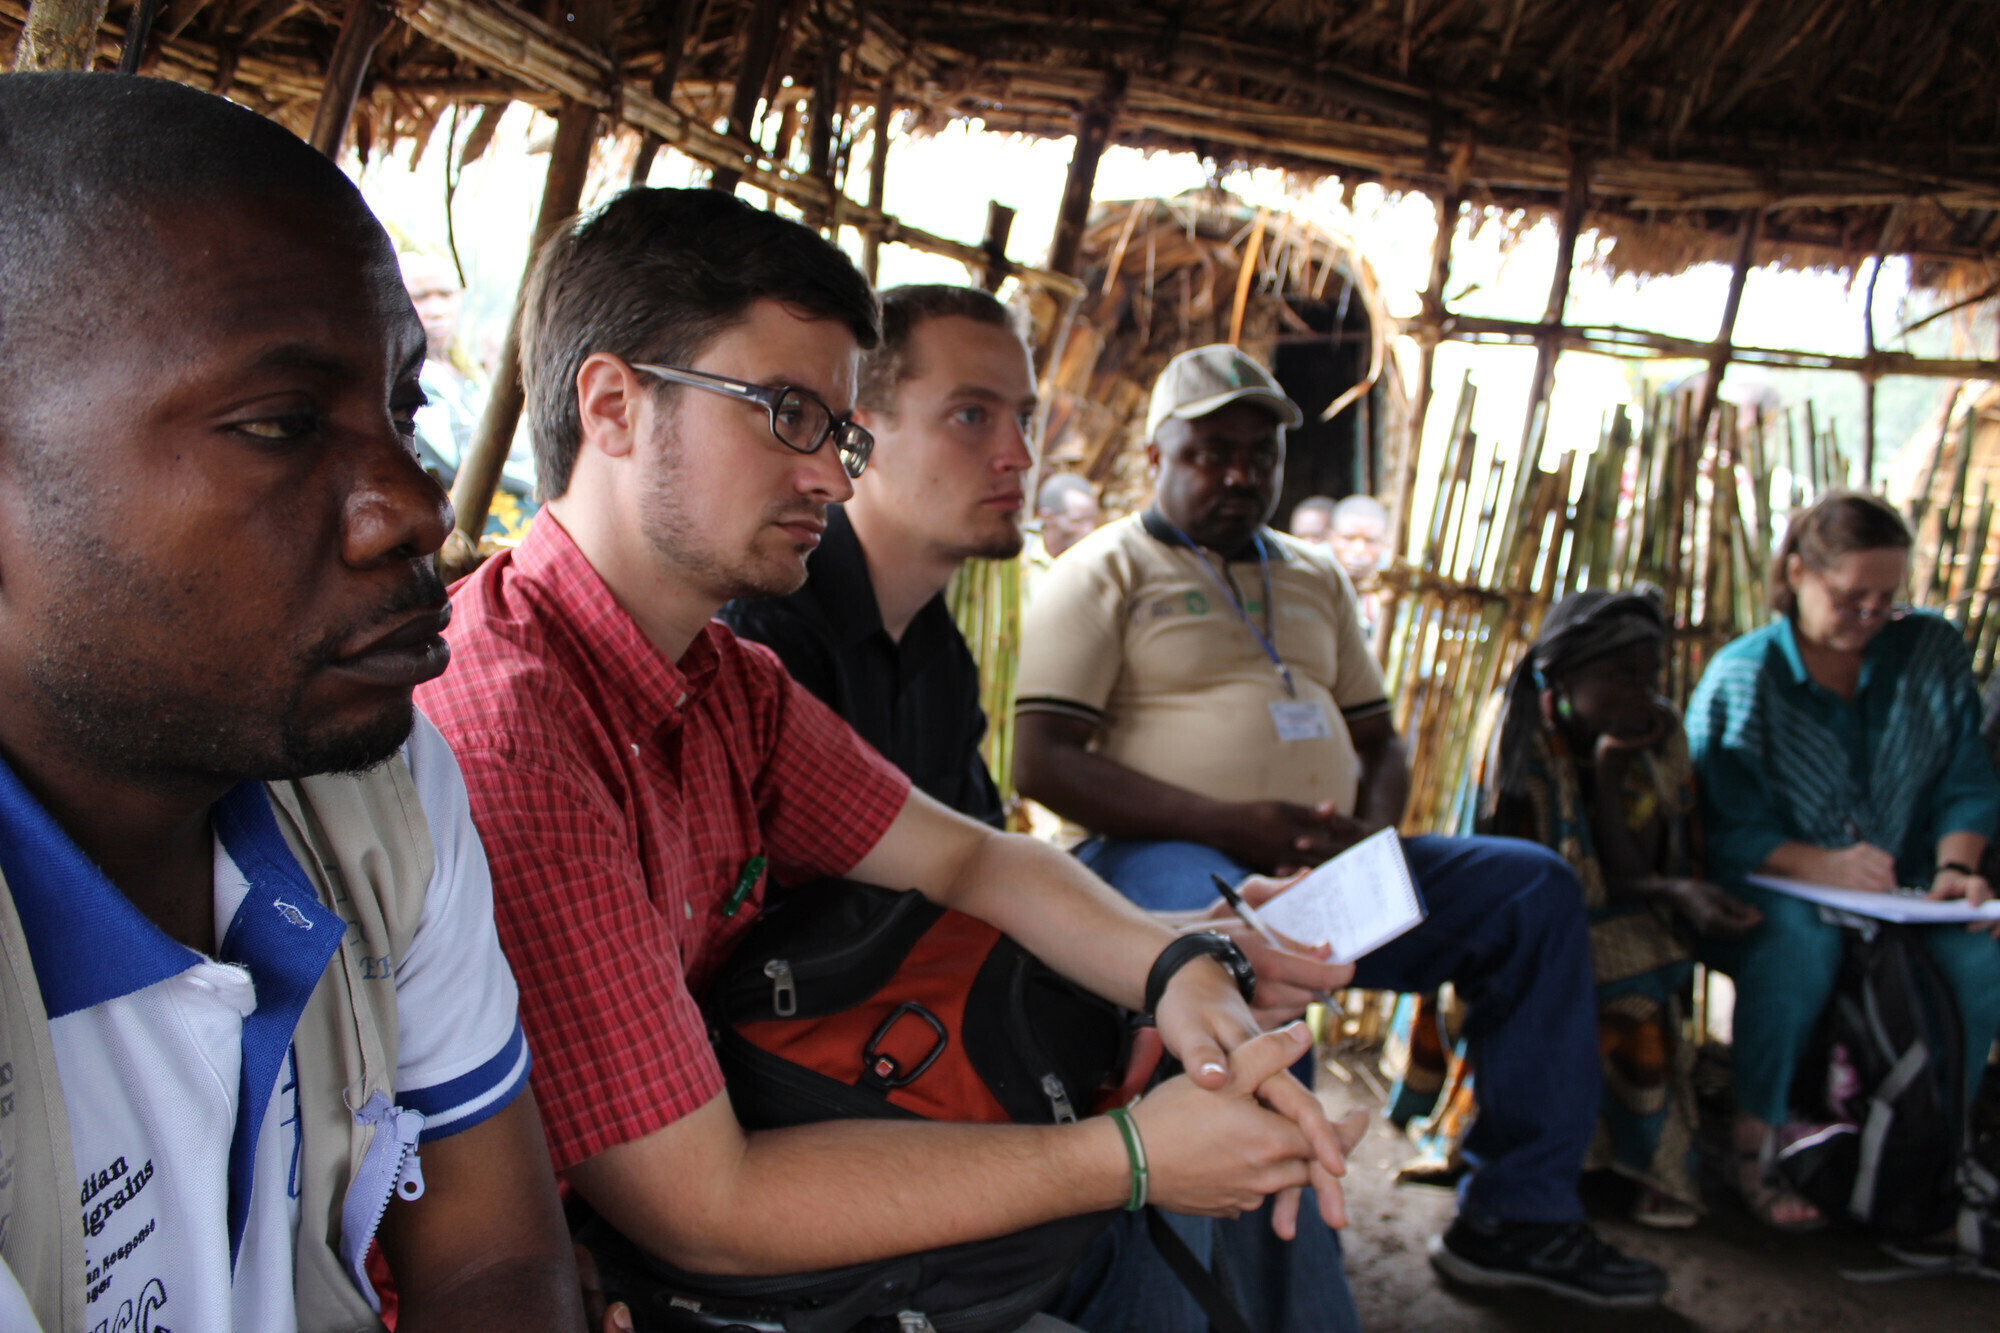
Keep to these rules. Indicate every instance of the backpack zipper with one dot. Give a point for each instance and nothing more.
(1052, 1088)
(784, 993)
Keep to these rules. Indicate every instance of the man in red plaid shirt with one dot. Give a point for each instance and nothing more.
(638, 774)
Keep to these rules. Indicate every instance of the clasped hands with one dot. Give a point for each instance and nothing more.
(1273, 1134)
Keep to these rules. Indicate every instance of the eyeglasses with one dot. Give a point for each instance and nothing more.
(799, 420)
(1858, 605)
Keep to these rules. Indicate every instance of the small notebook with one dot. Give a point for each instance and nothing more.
(1357, 902)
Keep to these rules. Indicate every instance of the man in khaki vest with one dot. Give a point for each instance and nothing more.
(253, 1013)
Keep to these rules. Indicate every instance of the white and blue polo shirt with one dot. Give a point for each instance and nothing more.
(177, 1067)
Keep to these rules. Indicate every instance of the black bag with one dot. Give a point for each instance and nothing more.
(851, 1002)
(1881, 1089)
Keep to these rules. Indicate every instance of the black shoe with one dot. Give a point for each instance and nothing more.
(1564, 1259)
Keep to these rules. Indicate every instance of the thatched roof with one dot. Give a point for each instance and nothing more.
(1858, 124)
(1164, 275)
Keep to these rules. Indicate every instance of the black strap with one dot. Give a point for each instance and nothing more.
(1223, 1316)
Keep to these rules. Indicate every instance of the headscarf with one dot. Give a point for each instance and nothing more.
(1581, 628)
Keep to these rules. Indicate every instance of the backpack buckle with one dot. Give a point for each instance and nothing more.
(885, 1071)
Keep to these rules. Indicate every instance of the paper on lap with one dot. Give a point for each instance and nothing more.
(1357, 902)
(1882, 906)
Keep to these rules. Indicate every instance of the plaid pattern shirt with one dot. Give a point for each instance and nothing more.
(621, 798)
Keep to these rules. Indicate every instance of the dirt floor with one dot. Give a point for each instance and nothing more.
(1729, 1274)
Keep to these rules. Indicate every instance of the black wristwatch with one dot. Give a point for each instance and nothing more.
(1959, 866)
(1202, 944)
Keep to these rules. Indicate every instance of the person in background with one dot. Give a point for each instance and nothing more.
(454, 396)
(1068, 510)
(1360, 536)
(1587, 759)
(1312, 520)
(950, 396)
(1196, 691)
(1840, 745)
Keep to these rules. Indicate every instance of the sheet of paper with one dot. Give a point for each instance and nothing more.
(1357, 902)
(1882, 906)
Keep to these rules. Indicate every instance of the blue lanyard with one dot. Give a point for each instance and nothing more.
(1270, 609)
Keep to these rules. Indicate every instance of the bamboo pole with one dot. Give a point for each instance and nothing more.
(673, 46)
(1720, 352)
(1868, 380)
(760, 43)
(361, 29)
(1429, 325)
(1093, 132)
(999, 225)
(1576, 197)
(878, 175)
(138, 31)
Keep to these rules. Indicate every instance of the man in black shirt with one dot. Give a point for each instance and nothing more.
(949, 395)
(914, 697)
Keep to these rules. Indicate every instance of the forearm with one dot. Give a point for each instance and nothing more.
(530, 1295)
(852, 1191)
(1794, 860)
(1106, 797)
(1062, 913)
(1963, 848)
(1384, 783)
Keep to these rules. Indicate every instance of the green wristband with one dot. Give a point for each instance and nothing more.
(1135, 1153)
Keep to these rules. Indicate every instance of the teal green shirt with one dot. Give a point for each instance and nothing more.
(1780, 758)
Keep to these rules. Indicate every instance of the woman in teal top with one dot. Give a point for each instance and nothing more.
(1840, 745)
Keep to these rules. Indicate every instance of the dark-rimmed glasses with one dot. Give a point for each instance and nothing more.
(799, 420)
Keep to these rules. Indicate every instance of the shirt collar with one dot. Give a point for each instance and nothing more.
(644, 687)
(837, 573)
(1160, 530)
(1785, 636)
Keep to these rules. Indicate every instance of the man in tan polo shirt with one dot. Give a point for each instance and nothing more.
(1196, 691)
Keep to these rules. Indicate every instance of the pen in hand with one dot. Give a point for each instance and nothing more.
(1248, 916)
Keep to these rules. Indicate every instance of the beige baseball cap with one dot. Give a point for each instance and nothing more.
(1206, 379)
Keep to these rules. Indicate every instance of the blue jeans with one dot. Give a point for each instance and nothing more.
(1785, 973)
(1124, 1286)
(1507, 929)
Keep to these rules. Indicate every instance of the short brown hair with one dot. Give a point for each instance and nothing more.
(1836, 524)
(904, 309)
(657, 275)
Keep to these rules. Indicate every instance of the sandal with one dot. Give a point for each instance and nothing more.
(1767, 1196)
(1653, 1208)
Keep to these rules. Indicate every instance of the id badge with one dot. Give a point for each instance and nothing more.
(1300, 720)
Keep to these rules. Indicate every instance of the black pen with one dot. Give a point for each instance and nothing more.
(1248, 916)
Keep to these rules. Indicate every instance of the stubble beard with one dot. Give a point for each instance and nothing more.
(671, 520)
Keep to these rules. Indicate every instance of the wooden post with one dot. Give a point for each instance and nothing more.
(999, 224)
(760, 44)
(363, 27)
(138, 30)
(479, 470)
(878, 167)
(1718, 355)
(1868, 381)
(673, 44)
(1430, 326)
(1576, 197)
(59, 35)
(1093, 132)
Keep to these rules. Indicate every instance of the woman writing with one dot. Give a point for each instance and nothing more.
(1839, 745)
(1590, 762)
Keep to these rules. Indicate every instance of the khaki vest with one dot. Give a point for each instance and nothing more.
(365, 845)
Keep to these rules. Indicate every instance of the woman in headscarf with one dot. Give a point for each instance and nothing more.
(1589, 761)
(1840, 745)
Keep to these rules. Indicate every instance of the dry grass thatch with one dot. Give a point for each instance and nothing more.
(1163, 275)
(1856, 125)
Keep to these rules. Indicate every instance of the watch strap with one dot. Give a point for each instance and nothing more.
(1958, 866)
(1200, 944)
